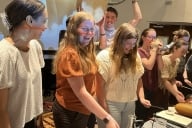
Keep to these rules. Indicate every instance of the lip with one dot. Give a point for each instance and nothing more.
(109, 23)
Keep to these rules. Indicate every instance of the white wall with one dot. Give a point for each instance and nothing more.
(152, 10)
(3, 3)
(156, 10)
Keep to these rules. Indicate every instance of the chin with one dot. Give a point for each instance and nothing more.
(85, 44)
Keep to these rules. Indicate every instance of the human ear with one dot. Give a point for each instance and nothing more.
(29, 20)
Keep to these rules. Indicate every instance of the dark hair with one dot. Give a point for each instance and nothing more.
(111, 9)
(18, 10)
(145, 33)
(180, 34)
(62, 32)
(177, 34)
(188, 96)
(67, 21)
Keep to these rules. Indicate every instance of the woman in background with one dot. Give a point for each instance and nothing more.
(169, 71)
(185, 35)
(187, 75)
(21, 61)
(151, 57)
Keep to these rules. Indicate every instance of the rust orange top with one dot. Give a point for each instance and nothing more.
(69, 65)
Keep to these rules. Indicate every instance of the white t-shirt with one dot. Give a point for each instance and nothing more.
(110, 33)
(21, 73)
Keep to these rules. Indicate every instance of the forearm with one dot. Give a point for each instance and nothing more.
(185, 77)
(4, 120)
(149, 63)
(102, 34)
(185, 73)
(4, 116)
(140, 90)
(160, 61)
(78, 87)
(91, 104)
(172, 88)
(136, 12)
(102, 41)
(100, 93)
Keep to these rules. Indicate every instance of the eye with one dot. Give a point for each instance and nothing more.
(88, 29)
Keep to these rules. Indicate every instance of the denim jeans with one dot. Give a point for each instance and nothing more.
(123, 113)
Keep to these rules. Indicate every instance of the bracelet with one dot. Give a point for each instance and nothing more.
(102, 34)
(134, 1)
(185, 78)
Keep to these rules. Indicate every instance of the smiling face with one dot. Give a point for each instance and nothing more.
(110, 19)
(39, 25)
(86, 32)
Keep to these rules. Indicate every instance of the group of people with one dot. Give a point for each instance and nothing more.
(161, 68)
(125, 78)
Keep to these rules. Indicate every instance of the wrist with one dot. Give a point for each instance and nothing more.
(141, 99)
(134, 1)
(107, 119)
(153, 50)
(159, 54)
(102, 34)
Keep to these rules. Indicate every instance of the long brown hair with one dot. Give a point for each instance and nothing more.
(87, 54)
(124, 32)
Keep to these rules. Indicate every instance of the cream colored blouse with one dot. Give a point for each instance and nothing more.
(122, 88)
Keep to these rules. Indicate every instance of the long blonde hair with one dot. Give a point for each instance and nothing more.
(124, 32)
(87, 54)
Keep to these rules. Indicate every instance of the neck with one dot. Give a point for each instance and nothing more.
(19, 43)
(110, 28)
(146, 48)
(172, 57)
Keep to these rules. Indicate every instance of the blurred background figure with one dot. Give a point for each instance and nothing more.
(107, 29)
(151, 57)
(169, 71)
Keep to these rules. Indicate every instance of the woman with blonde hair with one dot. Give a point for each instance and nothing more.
(76, 76)
(185, 35)
(121, 69)
(169, 71)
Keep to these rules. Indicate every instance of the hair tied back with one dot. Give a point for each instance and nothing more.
(5, 20)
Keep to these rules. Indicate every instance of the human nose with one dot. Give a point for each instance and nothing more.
(46, 25)
(129, 46)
